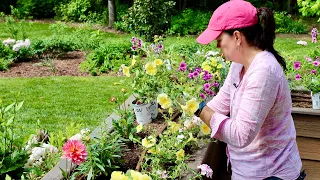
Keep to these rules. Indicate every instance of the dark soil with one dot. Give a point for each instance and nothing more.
(66, 65)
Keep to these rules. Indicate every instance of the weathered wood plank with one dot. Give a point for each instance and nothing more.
(296, 110)
(307, 125)
(312, 169)
(309, 148)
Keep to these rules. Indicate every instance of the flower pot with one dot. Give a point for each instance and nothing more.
(142, 112)
(154, 109)
(316, 100)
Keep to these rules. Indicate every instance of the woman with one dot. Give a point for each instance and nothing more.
(260, 133)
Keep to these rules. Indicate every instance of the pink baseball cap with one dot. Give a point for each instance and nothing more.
(230, 15)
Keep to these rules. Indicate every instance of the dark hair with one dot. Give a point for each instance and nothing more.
(262, 34)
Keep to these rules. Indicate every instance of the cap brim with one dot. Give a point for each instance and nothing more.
(208, 36)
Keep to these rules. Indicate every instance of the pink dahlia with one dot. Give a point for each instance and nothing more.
(75, 151)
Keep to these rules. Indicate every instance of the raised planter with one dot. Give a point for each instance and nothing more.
(307, 123)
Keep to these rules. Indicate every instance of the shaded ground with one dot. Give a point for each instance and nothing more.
(67, 65)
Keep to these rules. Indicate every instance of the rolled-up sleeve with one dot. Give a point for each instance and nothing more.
(259, 94)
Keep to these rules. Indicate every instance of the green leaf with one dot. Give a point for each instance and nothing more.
(8, 177)
(64, 173)
(9, 107)
(10, 121)
(19, 105)
(101, 167)
(90, 174)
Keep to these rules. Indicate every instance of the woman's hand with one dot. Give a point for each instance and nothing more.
(206, 115)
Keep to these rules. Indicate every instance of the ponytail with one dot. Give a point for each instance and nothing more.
(268, 34)
(262, 34)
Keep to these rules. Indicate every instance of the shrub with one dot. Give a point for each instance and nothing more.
(189, 22)
(148, 18)
(105, 58)
(79, 10)
(285, 24)
(36, 8)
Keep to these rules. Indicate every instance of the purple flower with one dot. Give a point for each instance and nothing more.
(133, 48)
(298, 77)
(183, 66)
(210, 92)
(195, 74)
(206, 170)
(160, 46)
(215, 84)
(198, 69)
(313, 71)
(297, 65)
(133, 40)
(190, 76)
(308, 59)
(316, 63)
(203, 96)
(207, 76)
(206, 72)
(206, 86)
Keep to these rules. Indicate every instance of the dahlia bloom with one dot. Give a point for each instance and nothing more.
(75, 151)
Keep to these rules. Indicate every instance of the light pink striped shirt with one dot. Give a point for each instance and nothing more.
(260, 133)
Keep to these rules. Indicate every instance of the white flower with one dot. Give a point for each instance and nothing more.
(85, 131)
(9, 41)
(303, 43)
(76, 137)
(206, 170)
(211, 53)
(180, 137)
(27, 42)
(37, 153)
(20, 44)
(49, 148)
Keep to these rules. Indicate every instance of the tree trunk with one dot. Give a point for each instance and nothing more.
(289, 9)
(112, 12)
(184, 4)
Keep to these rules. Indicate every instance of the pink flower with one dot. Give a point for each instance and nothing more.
(190, 76)
(298, 77)
(308, 59)
(75, 151)
(183, 66)
(313, 71)
(206, 86)
(316, 63)
(297, 65)
(202, 96)
(215, 84)
(206, 170)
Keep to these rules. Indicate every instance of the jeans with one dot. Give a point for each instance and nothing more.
(301, 177)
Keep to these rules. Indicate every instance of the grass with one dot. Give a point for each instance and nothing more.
(57, 101)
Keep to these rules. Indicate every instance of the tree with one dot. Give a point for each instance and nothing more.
(112, 12)
(309, 8)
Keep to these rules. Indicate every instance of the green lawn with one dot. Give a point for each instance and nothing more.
(57, 101)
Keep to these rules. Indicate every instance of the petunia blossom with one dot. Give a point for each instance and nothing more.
(206, 170)
(298, 77)
(75, 151)
(183, 66)
(297, 65)
(206, 86)
(313, 71)
(316, 63)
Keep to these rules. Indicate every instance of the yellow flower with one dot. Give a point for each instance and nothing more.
(217, 75)
(135, 175)
(139, 128)
(148, 142)
(191, 107)
(191, 138)
(164, 101)
(173, 127)
(207, 68)
(151, 68)
(152, 150)
(133, 61)
(158, 62)
(180, 154)
(219, 66)
(118, 175)
(123, 90)
(125, 70)
(213, 61)
(228, 62)
(205, 129)
(145, 177)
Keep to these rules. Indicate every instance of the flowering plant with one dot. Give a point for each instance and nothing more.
(304, 73)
